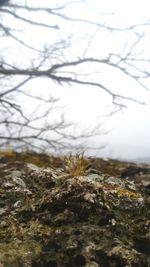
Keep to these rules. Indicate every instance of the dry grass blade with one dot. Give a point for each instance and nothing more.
(76, 165)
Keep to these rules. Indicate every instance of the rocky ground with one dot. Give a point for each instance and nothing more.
(73, 212)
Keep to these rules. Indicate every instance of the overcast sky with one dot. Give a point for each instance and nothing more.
(129, 135)
(129, 130)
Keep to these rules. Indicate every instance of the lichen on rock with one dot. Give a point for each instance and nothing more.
(51, 218)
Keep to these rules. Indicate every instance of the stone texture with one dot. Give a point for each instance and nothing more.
(50, 219)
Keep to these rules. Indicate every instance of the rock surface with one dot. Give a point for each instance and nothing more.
(52, 219)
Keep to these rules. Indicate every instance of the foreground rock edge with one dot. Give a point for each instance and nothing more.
(51, 219)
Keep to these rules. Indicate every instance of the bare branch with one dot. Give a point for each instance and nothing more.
(28, 20)
(67, 56)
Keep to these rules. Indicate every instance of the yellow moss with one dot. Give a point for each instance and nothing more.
(7, 152)
(30, 157)
(121, 192)
(39, 159)
(76, 165)
(127, 193)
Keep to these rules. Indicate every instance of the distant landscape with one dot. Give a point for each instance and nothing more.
(142, 160)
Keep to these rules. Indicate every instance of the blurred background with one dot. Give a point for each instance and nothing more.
(75, 75)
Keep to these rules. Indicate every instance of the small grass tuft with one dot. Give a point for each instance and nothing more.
(76, 165)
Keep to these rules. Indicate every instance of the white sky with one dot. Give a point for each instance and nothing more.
(130, 129)
(129, 135)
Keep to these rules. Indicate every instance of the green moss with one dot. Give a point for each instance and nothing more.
(19, 253)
